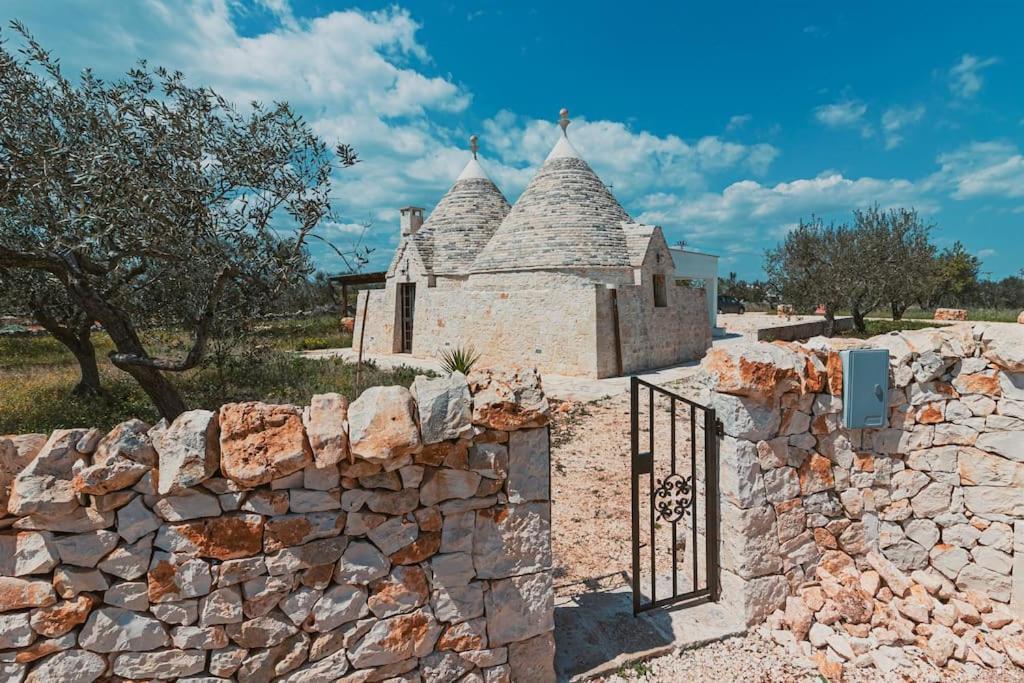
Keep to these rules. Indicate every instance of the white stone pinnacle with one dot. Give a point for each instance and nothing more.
(473, 170)
(563, 149)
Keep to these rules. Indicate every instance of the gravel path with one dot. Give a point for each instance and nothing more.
(753, 659)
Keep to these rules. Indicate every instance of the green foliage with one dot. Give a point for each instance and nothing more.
(37, 374)
(459, 359)
(875, 327)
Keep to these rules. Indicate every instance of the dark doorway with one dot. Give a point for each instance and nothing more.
(407, 310)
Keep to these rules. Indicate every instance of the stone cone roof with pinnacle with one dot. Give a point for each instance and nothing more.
(566, 218)
(462, 222)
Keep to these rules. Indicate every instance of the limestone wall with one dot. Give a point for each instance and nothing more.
(402, 537)
(908, 535)
(654, 337)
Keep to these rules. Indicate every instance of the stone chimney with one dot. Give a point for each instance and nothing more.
(412, 219)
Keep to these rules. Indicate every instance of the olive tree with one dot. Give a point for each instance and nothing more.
(148, 200)
(805, 268)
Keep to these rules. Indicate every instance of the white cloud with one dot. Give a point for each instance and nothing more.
(896, 119)
(738, 121)
(841, 114)
(985, 253)
(845, 114)
(965, 79)
(983, 169)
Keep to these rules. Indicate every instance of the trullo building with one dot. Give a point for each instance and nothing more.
(563, 280)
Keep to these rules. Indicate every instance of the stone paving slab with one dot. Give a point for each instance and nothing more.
(596, 632)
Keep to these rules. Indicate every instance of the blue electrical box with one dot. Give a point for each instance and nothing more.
(865, 388)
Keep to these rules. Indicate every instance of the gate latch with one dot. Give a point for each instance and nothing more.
(719, 427)
(643, 463)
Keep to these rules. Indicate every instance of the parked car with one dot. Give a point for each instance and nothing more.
(730, 304)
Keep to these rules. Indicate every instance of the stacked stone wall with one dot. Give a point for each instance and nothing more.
(853, 541)
(403, 537)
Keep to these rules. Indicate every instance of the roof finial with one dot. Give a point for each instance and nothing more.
(473, 144)
(563, 119)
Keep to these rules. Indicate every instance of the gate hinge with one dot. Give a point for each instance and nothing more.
(719, 427)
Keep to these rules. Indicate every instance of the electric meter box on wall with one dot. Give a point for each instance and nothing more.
(865, 388)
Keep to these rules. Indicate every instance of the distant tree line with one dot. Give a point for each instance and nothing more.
(882, 259)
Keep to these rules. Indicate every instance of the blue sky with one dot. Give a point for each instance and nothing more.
(724, 123)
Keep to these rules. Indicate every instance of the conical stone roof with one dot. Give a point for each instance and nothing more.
(462, 222)
(566, 218)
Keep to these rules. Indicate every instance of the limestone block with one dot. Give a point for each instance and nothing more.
(44, 486)
(360, 564)
(21, 593)
(815, 475)
(113, 474)
(752, 369)
(518, 608)
(161, 664)
(512, 540)
(1004, 347)
(490, 460)
(394, 534)
(745, 418)
(456, 603)
(129, 439)
(529, 465)
(949, 559)
(995, 500)
(340, 605)
(974, 577)
(325, 423)
(932, 500)
(186, 450)
(740, 479)
(86, 550)
(133, 595)
(301, 500)
(74, 666)
(111, 629)
(445, 407)
(752, 549)
(173, 576)
(266, 631)
(33, 552)
(261, 442)
(135, 520)
(533, 659)
(313, 554)
(906, 555)
(754, 599)
(444, 484)
(1009, 444)
(509, 400)
(397, 639)
(403, 590)
(187, 504)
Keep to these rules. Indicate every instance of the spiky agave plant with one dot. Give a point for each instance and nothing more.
(459, 359)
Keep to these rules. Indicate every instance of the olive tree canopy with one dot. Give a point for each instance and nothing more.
(148, 199)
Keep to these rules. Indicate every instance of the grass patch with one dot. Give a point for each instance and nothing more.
(876, 327)
(37, 375)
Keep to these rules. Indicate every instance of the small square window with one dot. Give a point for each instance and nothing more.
(660, 300)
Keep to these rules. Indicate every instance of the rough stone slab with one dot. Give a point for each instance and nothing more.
(45, 485)
(261, 442)
(519, 608)
(161, 664)
(382, 425)
(324, 420)
(512, 540)
(444, 405)
(186, 449)
(110, 629)
(397, 639)
(529, 465)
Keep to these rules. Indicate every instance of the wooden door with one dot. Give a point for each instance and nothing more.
(407, 311)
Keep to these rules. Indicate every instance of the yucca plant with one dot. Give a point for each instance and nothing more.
(459, 359)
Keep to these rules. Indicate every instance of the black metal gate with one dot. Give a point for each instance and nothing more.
(675, 520)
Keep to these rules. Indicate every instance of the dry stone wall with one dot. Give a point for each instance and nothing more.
(860, 545)
(404, 536)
